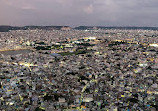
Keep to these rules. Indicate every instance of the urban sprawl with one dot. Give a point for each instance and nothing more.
(79, 70)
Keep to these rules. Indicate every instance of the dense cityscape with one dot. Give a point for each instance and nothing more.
(79, 70)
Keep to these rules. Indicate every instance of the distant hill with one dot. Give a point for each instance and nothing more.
(7, 28)
(125, 28)
(46, 27)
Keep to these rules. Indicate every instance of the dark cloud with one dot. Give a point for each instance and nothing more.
(79, 12)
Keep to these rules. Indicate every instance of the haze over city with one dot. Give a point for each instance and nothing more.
(79, 12)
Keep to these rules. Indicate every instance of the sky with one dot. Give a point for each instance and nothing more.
(79, 12)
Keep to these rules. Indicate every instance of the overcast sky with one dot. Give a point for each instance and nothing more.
(79, 12)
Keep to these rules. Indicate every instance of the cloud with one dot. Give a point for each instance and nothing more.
(79, 12)
(89, 9)
(19, 4)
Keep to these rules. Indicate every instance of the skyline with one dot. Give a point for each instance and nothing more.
(79, 12)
